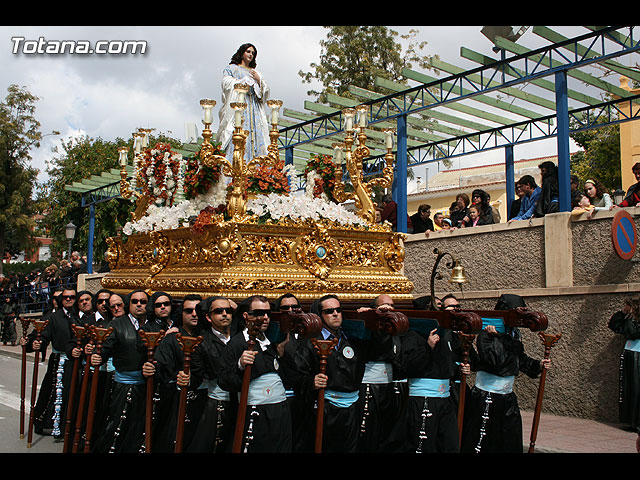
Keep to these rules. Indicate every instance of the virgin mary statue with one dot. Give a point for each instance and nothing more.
(241, 70)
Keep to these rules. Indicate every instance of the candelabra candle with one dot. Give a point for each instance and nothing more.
(207, 107)
(123, 156)
(348, 113)
(337, 152)
(137, 142)
(362, 115)
(242, 90)
(238, 107)
(275, 110)
(389, 137)
(146, 132)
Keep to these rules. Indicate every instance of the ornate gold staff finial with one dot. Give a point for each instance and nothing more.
(362, 191)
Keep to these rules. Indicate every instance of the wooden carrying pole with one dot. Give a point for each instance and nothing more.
(324, 349)
(151, 340)
(23, 375)
(79, 333)
(38, 326)
(80, 414)
(548, 341)
(253, 328)
(100, 334)
(466, 340)
(188, 344)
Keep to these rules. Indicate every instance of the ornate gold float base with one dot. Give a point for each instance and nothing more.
(239, 259)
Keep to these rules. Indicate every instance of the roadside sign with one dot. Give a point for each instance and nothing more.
(624, 235)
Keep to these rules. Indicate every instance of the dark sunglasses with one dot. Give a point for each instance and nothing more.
(117, 305)
(188, 311)
(102, 300)
(329, 311)
(140, 301)
(69, 297)
(289, 307)
(161, 304)
(259, 313)
(221, 310)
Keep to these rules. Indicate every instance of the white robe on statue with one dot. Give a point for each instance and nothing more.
(255, 118)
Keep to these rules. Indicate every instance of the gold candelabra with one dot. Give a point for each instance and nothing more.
(237, 169)
(362, 190)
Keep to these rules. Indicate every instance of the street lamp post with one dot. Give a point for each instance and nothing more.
(70, 233)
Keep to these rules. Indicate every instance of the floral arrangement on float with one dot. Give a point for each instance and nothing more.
(202, 199)
(320, 173)
(270, 179)
(161, 174)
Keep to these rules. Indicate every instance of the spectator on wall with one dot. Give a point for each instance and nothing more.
(531, 193)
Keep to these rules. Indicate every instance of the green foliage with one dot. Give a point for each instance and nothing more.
(19, 132)
(600, 157)
(356, 55)
(80, 158)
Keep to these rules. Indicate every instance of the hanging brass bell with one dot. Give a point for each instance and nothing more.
(457, 274)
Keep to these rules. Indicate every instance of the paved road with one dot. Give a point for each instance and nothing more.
(10, 441)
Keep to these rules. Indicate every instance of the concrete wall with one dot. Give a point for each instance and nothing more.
(564, 266)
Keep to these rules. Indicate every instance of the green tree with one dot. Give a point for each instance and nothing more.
(19, 133)
(80, 158)
(357, 55)
(600, 157)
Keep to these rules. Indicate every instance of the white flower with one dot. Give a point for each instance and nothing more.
(301, 207)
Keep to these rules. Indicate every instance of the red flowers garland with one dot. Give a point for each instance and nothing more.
(154, 157)
(324, 166)
(198, 178)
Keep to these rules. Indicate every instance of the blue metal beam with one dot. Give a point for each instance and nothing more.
(400, 175)
(585, 118)
(509, 176)
(564, 160)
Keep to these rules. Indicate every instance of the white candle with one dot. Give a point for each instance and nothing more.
(123, 156)
(389, 137)
(363, 116)
(137, 143)
(207, 106)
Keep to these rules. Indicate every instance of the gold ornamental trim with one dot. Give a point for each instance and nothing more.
(238, 259)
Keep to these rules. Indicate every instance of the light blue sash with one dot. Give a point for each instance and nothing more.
(493, 383)
(266, 389)
(341, 399)
(215, 392)
(108, 367)
(496, 322)
(130, 378)
(429, 387)
(377, 372)
(633, 345)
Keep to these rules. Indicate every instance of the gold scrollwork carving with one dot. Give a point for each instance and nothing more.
(394, 254)
(317, 251)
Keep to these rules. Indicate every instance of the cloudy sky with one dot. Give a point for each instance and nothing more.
(110, 96)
